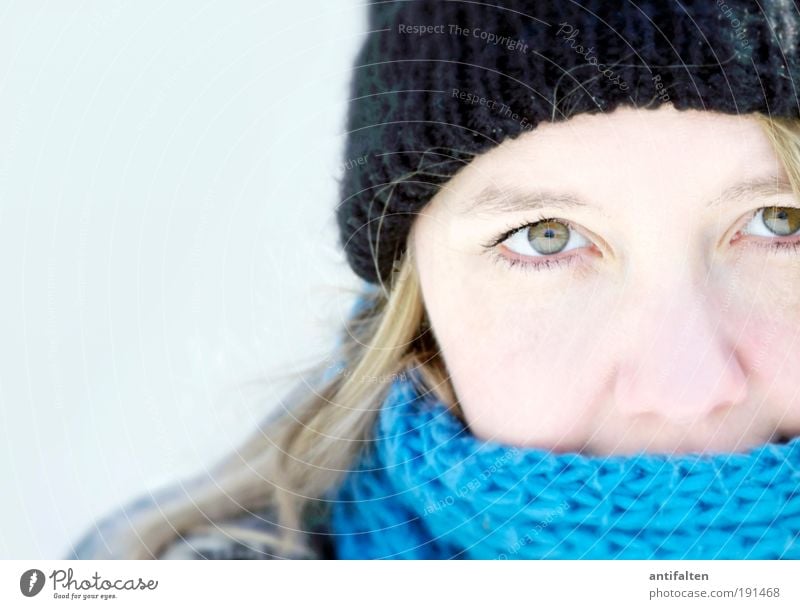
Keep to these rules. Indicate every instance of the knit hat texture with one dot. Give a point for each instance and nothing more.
(437, 82)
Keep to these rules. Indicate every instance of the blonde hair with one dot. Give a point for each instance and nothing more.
(303, 450)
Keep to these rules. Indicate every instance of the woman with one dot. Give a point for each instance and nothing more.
(578, 227)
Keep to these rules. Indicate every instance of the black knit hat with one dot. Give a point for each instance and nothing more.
(439, 81)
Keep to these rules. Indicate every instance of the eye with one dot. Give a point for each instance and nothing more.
(544, 238)
(774, 221)
(536, 245)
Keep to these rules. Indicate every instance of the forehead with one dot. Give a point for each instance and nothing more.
(643, 153)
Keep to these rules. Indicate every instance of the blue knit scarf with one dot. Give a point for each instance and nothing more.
(427, 488)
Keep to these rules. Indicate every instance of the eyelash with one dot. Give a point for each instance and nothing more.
(548, 262)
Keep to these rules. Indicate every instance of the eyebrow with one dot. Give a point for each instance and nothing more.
(493, 199)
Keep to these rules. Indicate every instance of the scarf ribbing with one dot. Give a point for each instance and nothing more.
(426, 488)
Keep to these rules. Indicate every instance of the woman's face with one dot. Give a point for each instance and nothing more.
(656, 311)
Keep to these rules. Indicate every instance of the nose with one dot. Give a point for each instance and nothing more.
(678, 363)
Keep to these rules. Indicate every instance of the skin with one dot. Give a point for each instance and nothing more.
(672, 332)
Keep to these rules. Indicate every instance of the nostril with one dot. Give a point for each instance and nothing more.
(780, 438)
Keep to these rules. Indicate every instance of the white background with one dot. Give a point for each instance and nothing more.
(167, 189)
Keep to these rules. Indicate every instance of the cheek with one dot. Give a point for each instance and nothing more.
(514, 368)
(765, 326)
(762, 313)
(770, 348)
(754, 282)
